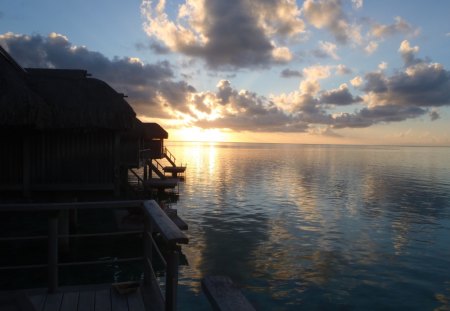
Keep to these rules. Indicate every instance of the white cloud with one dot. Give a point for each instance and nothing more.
(383, 66)
(371, 47)
(357, 4)
(399, 26)
(329, 14)
(356, 81)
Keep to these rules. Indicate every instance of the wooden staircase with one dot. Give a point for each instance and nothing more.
(174, 170)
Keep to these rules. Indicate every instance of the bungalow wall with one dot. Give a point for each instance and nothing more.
(59, 160)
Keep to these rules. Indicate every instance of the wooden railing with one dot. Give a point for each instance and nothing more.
(157, 168)
(156, 222)
(170, 156)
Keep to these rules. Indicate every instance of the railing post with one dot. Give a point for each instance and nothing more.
(147, 245)
(171, 278)
(52, 252)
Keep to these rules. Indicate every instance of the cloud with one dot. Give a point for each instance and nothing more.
(246, 111)
(417, 89)
(357, 4)
(343, 70)
(329, 14)
(408, 53)
(288, 73)
(150, 87)
(340, 97)
(325, 50)
(434, 114)
(226, 34)
(153, 46)
(383, 66)
(356, 81)
(371, 47)
(378, 114)
(400, 26)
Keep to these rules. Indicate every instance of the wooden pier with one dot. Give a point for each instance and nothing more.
(145, 296)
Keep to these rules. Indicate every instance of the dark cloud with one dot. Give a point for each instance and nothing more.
(434, 115)
(288, 73)
(421, 85)
(339, 97)
(226, 34)
(379, 114)
(148, 86)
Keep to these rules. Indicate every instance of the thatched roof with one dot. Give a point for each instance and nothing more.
(154, 130)
(55, 99)
(148, 131)
(81, 102)
(20, 106)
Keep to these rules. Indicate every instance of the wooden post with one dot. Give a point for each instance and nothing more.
(172, 278)
(26, 167)
(53, 252)
(147, 245)
(63, 229)
(117, 164)
(145, 170)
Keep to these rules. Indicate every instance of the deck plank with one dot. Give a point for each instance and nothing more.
(103, 300)
(70, 301)
(118, 301)
(135, 302)
(86, 301)
(53, 302)
(37, 301)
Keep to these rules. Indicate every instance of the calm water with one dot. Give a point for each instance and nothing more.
(318, 227)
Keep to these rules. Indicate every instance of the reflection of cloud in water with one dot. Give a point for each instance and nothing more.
(310, 224)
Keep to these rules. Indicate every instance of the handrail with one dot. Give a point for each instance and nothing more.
(158, 166)
(164, 225)
(168, 153)
(139, 178)
(21, 207)
(155, 221)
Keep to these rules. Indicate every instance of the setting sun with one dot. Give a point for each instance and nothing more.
(198, 134)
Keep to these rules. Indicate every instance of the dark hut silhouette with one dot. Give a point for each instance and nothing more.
(65, 131)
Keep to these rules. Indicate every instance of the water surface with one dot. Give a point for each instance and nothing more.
(318, 227)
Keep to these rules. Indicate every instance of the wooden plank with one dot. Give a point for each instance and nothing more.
(135, 302)
(70, 301)
(152, 295)
(53, 302)
(169, 231)
(38, 301)
(103, 300)
(118, 301)
(86, 301)
(224, 295)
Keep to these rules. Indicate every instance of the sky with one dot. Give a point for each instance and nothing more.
(281, 71)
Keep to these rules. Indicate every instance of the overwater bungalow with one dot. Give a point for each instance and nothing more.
(67, 143)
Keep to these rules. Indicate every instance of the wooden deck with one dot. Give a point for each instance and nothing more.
(81, 298)
(158, 183)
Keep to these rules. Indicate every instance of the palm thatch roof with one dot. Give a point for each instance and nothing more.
(56, 99)
(20, 106)
(81, 102)
(153, 130)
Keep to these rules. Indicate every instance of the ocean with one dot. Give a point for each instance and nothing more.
(317, 227)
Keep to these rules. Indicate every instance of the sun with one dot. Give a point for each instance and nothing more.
(199, 134)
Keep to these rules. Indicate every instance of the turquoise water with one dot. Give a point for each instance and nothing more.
(318, 227)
